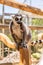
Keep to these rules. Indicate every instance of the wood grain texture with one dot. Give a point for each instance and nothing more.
(5, 26)
(36, 27)
(21, 6)
(25, 55)
(7, 41)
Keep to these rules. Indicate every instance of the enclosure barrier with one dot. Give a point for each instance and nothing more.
(6, 26)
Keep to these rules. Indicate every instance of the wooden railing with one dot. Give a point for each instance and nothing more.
(6, 26)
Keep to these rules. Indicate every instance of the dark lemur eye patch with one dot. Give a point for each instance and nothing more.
(16, 19)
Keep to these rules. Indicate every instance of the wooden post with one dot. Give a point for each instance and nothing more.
(3, 30)
(25, 56)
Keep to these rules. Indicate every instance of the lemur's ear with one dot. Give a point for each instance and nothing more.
(12, 16)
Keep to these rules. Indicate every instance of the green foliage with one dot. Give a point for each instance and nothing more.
(36, 55)
(34, 35)
(9, 35)
(38, 22)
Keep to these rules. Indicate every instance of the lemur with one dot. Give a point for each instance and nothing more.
(19, 31)
(40, 39)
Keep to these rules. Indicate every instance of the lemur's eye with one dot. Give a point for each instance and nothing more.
(16, 19)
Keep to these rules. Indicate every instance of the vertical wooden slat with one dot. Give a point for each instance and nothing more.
(3, 29)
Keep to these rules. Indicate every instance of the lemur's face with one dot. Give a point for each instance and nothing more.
(17, 18)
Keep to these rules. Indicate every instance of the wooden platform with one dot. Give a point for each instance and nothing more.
(8, 64)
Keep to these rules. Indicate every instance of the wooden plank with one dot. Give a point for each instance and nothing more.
(6, 63)
(7, 41)
(21, 6)
(36, 27)
(25, 55)
(8, 14)
(6, 26)
(31, 16)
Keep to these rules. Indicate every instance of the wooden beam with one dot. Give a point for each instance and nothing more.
(36, 27)
(6, 26)
(7, 41)
(21, 6)
(8, 14)
(31, 16)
